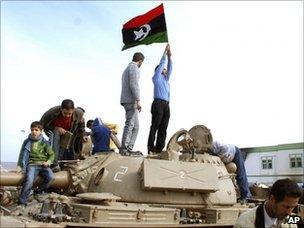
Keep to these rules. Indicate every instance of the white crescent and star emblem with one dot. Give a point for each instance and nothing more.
(140, 35)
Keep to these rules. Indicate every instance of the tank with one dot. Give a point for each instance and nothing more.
(184, 186)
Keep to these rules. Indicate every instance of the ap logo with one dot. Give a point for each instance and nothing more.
(294, 219)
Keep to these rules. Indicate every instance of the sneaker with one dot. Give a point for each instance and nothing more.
(122, 151)
(19, 210)
(131, 153)
(40, 197)
(136, 153)
(242, 201)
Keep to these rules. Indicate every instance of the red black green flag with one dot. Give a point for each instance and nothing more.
(145, 29)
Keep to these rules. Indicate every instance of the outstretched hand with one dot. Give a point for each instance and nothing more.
(167, 47)
(168, 50)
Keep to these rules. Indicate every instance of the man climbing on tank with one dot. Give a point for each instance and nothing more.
(60, 120)
(230, 153)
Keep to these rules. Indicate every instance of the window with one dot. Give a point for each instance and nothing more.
(295, 160)
(267, 162)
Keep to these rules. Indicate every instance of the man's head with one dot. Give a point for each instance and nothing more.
(164, 71)
(67, 108)
(89, 124)
(283, 198)
(96, 121)
(36, 129)
(138, 57)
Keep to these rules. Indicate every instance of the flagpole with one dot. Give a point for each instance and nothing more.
(166, 24)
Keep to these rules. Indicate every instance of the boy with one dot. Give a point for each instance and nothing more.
(35, 158)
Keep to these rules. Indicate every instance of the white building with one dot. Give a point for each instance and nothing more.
(269, 163)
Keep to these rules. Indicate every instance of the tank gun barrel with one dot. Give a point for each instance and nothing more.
(61, 179)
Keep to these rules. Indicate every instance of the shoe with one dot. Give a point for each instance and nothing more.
(40, 197)
(19, 210)
(154, 155)
(55, 168)
(242, 201)
(152, 152)
(137, 153)
(131, 153)
(122, 151)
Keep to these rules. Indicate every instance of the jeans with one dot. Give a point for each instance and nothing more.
(32, 172)
(241, 176)
(160, 111)
(131, 127)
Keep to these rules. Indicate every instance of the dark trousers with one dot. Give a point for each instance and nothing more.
(160, 111)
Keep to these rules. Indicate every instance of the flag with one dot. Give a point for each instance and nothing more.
(145, 29)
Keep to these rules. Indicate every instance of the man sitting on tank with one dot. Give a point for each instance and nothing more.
(60, 120)
(230, 153)
(283, 198)
(100, 135)
(35, 159)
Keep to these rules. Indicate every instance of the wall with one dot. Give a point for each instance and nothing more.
(280, 166)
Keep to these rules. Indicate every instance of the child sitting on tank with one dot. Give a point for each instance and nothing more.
(35, 159)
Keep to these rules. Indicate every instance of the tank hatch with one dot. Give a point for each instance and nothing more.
(179, 176)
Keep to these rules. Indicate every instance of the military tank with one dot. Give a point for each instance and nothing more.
(183, 186)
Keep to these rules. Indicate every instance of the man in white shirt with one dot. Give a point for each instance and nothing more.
(284, 197)
(269, 221)
(231, 153)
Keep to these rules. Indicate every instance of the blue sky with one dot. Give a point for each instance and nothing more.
(238, 66)
(77, 27)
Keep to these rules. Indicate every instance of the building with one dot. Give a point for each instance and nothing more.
(269, 163)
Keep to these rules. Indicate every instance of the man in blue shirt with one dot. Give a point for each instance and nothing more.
(160, 107)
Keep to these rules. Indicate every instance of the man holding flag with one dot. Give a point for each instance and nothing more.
(160, 109)
(144, 29)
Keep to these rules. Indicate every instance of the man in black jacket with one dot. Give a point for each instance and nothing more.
(64, 120)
